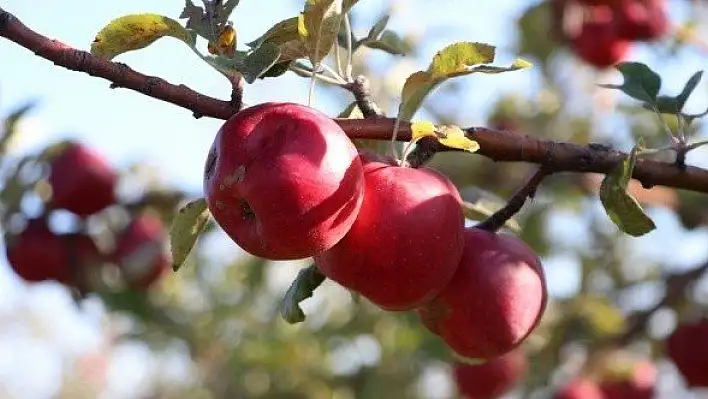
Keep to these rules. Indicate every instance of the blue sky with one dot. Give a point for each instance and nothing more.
(129, 127)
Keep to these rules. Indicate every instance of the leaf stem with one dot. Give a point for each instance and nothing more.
(392, 145)
(309, 74)
(348, 65)
(311, 93)
(334, 73)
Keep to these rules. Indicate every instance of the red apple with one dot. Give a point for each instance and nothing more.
(491, 379)
(639, 20)
(598, 44)
(638, 383)
(140, 251)
(579, 388)
(283, 181)
(596, 3)
(407, 240)
(37, 254)
(82, 181)
(687, 347)
(495, 299)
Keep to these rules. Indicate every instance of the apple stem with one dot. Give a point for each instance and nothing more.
(311, 93)
(392, 144)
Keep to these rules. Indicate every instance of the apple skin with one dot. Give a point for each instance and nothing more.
(640, 385)
(491, 379)
(599, 45)
(283, 181)
(140, 251)
(37, 254)
(407, 241)
(495, 299)
(82, 181)
(687, 347)
(579, 388)
(641, 20)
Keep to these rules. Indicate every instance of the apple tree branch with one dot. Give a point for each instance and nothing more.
(500, 146)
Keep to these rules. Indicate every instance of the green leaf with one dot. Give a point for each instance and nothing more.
(640, 82)
(228, 67)
(307, 280)
(621, 207)
(260, 61)
(10, 123)
(457, 57)
(136, 31)
(674, 104)
(285, 34)
(196, 18)
(186, 227)
(348, 4)
(690, 117)
(282, 32)
(226, 10)
(378, 27)
(389, 42)
(276, 70)
(208, 23)
(415, 89)
(320, 24)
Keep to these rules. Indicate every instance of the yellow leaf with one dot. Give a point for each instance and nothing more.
(457, 57)
(320, 24)
(226, 43)
(521, 63)
(422, 129)
(136, 31)
(301, 28)
(453, 137)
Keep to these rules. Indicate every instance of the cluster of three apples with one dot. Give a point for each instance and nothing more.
(285, 182)
(83, 183)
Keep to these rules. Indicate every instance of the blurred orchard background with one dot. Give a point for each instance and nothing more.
(212, 330)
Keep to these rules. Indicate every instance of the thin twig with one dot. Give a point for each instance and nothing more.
(516, 202)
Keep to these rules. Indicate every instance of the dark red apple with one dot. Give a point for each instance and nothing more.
(140, 251)
(639, 20)
(598, 44)
(595, 3)
(491, 379)
(687, 347)
(638, 383)
(495, 299)
(283, 181)
(81, 179)
(579, 388)
(37, 254)
(407, 240)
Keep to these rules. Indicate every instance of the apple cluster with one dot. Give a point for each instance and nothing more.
(284, 182)
(82, 182)
(601, 32)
